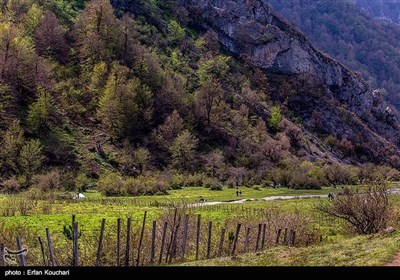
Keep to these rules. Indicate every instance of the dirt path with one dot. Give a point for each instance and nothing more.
(268, 198)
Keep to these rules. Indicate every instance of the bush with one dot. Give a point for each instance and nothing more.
(180, 181)
(366, 212)
(111, 184)
(11, 185)
(47, 182)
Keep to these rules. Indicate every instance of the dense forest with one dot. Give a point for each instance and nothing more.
(140, 104)
(388, 10)
(351, 35)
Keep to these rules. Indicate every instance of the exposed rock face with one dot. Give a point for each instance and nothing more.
(250, 29)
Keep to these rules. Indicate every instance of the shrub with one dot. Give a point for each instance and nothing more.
(47, 182)
(11, 185)
(192, 180)
(111, 184)
(366, 212)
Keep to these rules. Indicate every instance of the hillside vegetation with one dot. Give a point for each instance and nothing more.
(139, 104)
(353, 36)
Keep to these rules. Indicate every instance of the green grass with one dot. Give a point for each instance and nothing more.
(353, 251)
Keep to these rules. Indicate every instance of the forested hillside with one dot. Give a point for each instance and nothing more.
(143, 97)
(351, 35)
(388, 10)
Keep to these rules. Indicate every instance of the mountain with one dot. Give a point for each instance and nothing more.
(351, 35)
(179, 93)
(388, 10)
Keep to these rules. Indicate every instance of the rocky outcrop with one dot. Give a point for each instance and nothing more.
(251, 30)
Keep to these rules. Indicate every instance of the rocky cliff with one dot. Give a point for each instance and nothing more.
(251, 30)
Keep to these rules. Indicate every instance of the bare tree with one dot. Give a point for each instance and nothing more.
(366, 212)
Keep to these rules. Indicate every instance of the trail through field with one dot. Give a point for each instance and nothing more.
(394, 191)
(269, 198)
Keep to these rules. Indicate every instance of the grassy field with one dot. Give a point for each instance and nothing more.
(352, 251)
(338, 248)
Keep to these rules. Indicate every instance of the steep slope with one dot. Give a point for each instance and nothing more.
(351, 35)
(252, 30)
(388, 10)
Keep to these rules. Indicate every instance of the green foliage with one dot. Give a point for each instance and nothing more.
(175, 32)
(31, 158)
(141, 157)
(68, 232)
(275, 119)
(40, 111)
(12, 143)
(213, 67)
(183, 150)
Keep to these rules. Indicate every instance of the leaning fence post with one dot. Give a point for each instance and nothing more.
(141, 238)
(98, 259)
(163, 241)
(172, 235)
(128, 241)
(119, 242)
(263, 236)
(75, 241)
(21, 257)
(185, 233)
(236, 238)
(42, 250)
(198, 235)
(221, 243)
(258, 236)
(153, 242)
(173, 247)
(209, 239)
(3, 263)
(53, 262)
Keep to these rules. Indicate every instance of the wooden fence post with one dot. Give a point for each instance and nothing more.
(163, 242)
(285, 237)
(263, 237)
(75, 243)
(99, 248)
(153, 242)
(209, 239)
(185, 234)
(236, 238)
(52, 260)
(278, 236)
(247, 239)
(128, 241)
(119, 242)
(141, 238)
(290, 237)
(293, 238)
(221, 242)
(198, 235)
(174, 240)
(42, 250)
(172, 235)
(3, 263)
(21, 257)
(258, 236)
